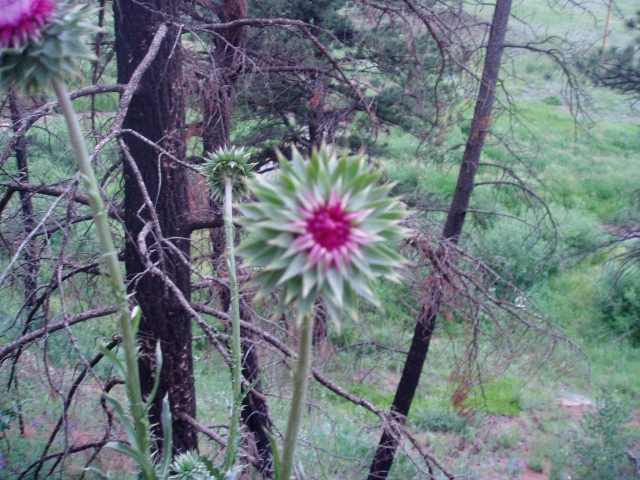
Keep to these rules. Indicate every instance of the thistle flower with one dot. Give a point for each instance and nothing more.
(228, 163)
(21, 20)
(226, 172)
(322, 232)
(40, 41)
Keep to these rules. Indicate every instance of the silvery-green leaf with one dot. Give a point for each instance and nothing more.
(336, 282)
(308, 281)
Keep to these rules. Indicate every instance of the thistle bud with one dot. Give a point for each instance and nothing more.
(228, 163)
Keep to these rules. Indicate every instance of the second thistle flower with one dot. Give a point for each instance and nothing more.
(228, 163)
(322, 230)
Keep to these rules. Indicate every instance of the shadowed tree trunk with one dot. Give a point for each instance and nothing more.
(316, 118)
(31, 264)
(157, 111)
(320, 328)
(426, 321)
(219, 86)
(28, 222)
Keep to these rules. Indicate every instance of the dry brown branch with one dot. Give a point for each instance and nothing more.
(51, 328)
(53, 191)
(71, 392)
(37, 227)
(635, 461)
(71, 450)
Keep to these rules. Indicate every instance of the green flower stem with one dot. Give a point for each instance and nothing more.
(236, 352)
(113, 266)
(300, 383)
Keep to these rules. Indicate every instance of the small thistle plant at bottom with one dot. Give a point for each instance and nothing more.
(189, 466)
(321, 231)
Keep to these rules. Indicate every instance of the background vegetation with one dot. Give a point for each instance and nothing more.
(571, 416)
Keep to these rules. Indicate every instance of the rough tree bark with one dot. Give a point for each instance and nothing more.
(28, 222)
(157, 111)
(426, 322)
(219, 86)
(31, 263)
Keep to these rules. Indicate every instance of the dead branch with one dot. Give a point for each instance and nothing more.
(386, 417)
(634, 460)
(53, 191)
(37, 227)
(67, 452)
(41, 332)
(71, 393)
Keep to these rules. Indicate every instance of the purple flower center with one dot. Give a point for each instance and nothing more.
(329, 232)
(329, 227)
(21, 19)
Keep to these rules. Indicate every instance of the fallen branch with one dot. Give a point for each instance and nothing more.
(64, 453)
(386, 417)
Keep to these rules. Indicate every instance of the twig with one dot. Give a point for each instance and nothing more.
(635, 461)
(215, 437)
(36, 334)
(36, 228)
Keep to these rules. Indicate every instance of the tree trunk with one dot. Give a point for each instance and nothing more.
(31, 263)
(316, 117)
(28, 222)
(426, 322)
(320, 335)
(219, 86)
(157, 111)
(96, 64)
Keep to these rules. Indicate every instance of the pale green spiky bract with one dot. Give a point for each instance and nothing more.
(323, 230)
(53, 55)
(227, 163)
(189, 466)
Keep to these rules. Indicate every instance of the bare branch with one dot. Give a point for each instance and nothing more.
(41, 332)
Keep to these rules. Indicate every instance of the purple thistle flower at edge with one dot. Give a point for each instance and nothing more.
(21, 20)
(322, 230)
(40, 41)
